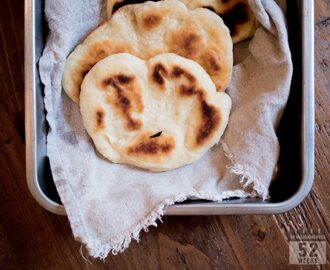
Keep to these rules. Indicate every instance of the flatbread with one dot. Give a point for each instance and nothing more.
(236, 14)
(153, 28)
(158, 114)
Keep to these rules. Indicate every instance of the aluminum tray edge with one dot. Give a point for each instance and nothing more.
(208, 208)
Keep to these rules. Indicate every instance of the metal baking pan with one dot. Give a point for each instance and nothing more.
(295, 169)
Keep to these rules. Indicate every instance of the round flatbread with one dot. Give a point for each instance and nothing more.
(236, 14)
(153, 28)
(158, 114)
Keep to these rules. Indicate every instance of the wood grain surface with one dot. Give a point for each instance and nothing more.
(32, 238)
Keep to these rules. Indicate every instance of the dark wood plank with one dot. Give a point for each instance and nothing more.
(32, 238)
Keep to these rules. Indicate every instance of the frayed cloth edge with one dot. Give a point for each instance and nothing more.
(101, 251)
(246, 177)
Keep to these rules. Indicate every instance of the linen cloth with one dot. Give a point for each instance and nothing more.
(109, 204)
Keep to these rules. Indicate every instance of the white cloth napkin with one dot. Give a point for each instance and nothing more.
(109, 204)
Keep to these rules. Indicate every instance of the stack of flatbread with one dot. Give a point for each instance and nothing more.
(150, 81)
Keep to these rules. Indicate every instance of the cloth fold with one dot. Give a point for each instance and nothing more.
(109, 204)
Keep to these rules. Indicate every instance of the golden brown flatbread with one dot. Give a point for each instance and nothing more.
(153, 28)
(158, 114)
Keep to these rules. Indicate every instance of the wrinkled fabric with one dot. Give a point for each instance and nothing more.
(109, 204)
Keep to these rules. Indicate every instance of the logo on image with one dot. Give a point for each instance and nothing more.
(307, 248)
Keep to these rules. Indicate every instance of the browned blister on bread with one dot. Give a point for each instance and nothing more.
(158, 114)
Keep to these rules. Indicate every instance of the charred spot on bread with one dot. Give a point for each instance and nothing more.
(150, 148)
(214, 63)
(238, 14)
(125, 105)
(210, 122)
(124, 79)
(209, 115)
(134, 124)
(124, 102)
(151, 21)
(100, 116)
(177, 72)
(126, 98)
(190, 43)
(211, 61)
(158, 72)
(187, 90)
(156, 148)
(108, 81)
(187, 42)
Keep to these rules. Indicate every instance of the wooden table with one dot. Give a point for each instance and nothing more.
(32, 238)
